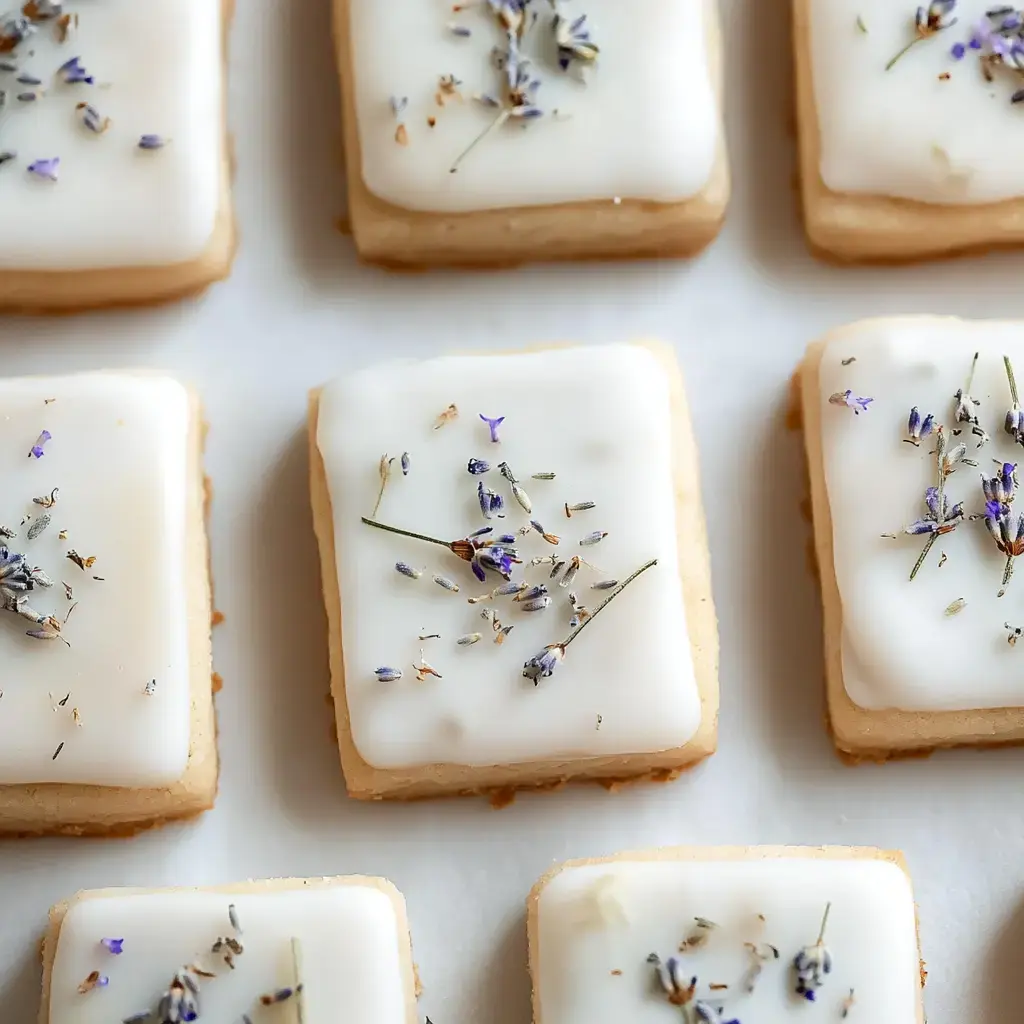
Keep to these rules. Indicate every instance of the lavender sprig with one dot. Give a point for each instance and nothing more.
(543, 664)
(927, 22)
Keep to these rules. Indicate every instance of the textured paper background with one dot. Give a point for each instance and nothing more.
(298, 309)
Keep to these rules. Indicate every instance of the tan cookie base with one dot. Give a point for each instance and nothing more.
(850, 228)
(364, 782)
(110, 811)
(701, 853)
(405, 239)
(410, 981)
(859, 734)
(75, 291)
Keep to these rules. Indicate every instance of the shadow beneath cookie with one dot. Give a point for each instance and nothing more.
(295, 717)
(1002, 984)
(312, 150)
(501, 993)
(765, 157)
(785, 601)
(20, 985)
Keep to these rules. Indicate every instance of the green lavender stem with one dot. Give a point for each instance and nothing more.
(913, 42)
(611, 597)
(407, 533)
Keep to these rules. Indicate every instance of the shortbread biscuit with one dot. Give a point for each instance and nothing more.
(107, 719)
(915, 664)
(330, 948)
(114, 163)
(441, 691)
(916, 161)
(626, 157)
(726, 933)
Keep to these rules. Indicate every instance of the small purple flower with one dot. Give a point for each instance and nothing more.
(478, 467)
(542, 665)
(74, 74)
(847, 398)
(113, 946)
(45, 168)
(36, 451)
(1002, 487)
(811, 965)
(951, 517)
(491, 503)
(405, 463)
(918, 427)
(573, 41)
(496, 559)
(152, 142)
(493, 426)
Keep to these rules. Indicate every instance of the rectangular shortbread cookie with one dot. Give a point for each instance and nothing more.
(892, 685)
(607, 153)
(708, 935)
(114, 162)
(441, 691)
(915, 160)
(287, 949)
(107, 719)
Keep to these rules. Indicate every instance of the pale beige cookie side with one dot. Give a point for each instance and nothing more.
(405, 239)
(848, 228)
(860, 734)
(365, 782)
(109, 811)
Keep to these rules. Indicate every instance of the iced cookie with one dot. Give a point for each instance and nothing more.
(518, 592)
(506, 131)
(913, 432)
(288, 949)
(106, 710)
(114, 176)
(908, 120)
(719, 935)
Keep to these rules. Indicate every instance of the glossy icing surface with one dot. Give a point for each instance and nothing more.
(901, 648)
(598, 418)
(931, 128)
(643, 125)
(158, 70)
(592, 962)
(118, 455)
(348, 942)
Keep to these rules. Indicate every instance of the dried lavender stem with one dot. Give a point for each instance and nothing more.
(913, 42)
(924, 554)
(970, 376)
(499, 120)
(1008, 571)
(1011, 380)
(407, 533)
(824, 922)
(611, 597)
(300, 1008)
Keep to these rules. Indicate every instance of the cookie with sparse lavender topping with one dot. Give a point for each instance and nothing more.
(914, 430)
(907, 119)
(724, 934)
(287, 949)
(519, 594)
(114, 166)
(506, 132)
(106, 710)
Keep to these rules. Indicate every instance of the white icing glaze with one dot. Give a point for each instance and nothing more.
(899, 648)
(349, 946)
(905, 132)
(119, 456)
(871, 934)
(158, 70)
(644, 126)
(600, 419)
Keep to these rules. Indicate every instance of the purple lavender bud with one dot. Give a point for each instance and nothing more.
(45, 168)
(385, 674)
(542, 665)
(152, 142)
(478, 466)
(493, 425)
(914, 423)
(113, 946)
